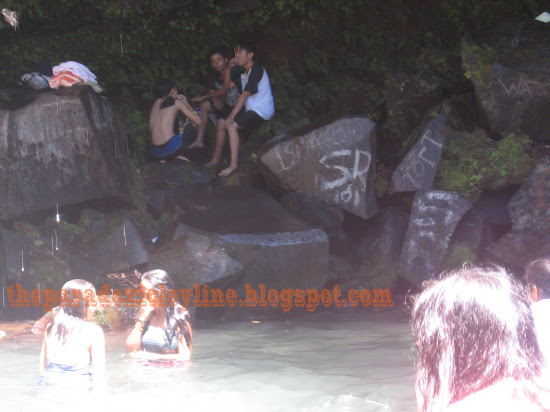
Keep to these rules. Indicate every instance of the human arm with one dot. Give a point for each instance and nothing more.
(42, 364)
(97, 352)
(217, 103)
(133, 343)
(236, 109)
(183, 106)
(222, 91)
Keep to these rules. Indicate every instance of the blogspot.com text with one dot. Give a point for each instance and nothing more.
(204, 296)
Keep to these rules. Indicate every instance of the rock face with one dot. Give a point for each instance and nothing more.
(120, 248)
(529, 208)
(474, 231)
(275, 247)
(518, 248)
(511, 76)
(52, 153)
(334, 163)
(434, 217)
(12, 247)
(193, 258)
(318, 213)
(286, 259)
(417, 170)
(383, 236)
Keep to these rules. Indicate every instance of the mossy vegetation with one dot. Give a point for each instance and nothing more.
(471, 162)
(457, 256)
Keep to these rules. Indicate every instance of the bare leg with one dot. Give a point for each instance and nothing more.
(206, 108)
(220, 141)
(182, 157)
(233, 149)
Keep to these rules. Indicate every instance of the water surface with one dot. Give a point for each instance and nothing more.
(320, 362)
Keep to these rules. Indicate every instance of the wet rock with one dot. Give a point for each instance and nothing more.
(493, 207)
(417, 170)
(11, 256)
(274, 246)
(434, 216)
(383, 236)
(518, 248)
(51, 154)
(334, 164)
(474, 231)
(511, 76)
(529, 208)
(119, 247)
(284, 259)
(193, 258)
(316, 212)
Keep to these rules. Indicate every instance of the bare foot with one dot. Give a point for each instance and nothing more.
(182, 157)
(211, 163)
(227, 171)
(197, 143)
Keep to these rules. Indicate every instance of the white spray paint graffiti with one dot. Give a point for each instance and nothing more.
(417, 168)
(289, 155)
(523, 86)
(354, 179)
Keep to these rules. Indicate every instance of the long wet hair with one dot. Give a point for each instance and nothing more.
(71, 318)
(538, 273)
(175, 316)
(472, 329)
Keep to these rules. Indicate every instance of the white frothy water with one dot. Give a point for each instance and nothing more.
(321, 362)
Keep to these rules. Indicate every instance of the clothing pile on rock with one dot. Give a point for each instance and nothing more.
(66, 74)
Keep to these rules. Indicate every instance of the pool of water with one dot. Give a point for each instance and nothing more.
(320, 362)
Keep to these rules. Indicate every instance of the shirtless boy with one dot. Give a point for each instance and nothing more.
(222, 96)
(166, 144)
(256, 100)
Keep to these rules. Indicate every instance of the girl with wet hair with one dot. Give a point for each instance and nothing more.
(477, 348)
(537, 277)
(162, 331)
(73, 349)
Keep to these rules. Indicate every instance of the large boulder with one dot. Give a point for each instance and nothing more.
(54, 151)
(194, 258)
(115, 246)
(529, 208)
(509, 69)
(382, 237)
(434, 216)
(417, 170)
(275, 247)
(334, 163)
(316, 212)
(518, 248)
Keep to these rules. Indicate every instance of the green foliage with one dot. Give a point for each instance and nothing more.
(138, 132)
(473, 162)
(321, 55)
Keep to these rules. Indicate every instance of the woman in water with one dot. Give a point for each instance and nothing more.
(477, 348)
(73, 349)
(537, 277)
(162, 330)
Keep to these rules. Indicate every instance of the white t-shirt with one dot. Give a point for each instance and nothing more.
(260, 100)
(541, 315)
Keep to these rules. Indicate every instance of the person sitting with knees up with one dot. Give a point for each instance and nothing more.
(73, 348)
(256, 100)
(166, 144)
(537, 277)
(223, 95)
(162, 331)
(477, 347)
